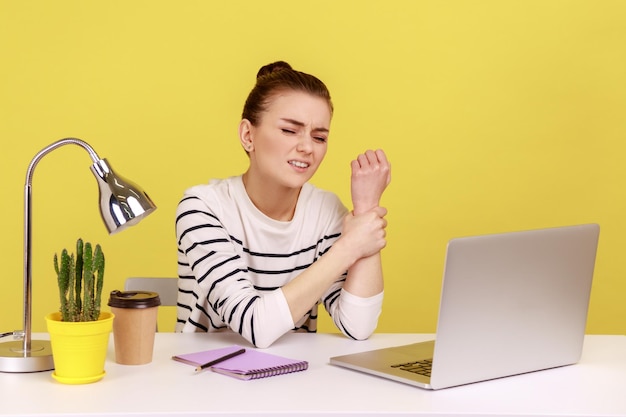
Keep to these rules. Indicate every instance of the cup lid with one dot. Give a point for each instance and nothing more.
(134, 299)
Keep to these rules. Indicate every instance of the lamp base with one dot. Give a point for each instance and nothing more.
(14, 359)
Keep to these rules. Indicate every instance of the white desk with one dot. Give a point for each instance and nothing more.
(594, 387)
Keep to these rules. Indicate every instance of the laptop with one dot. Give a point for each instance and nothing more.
(511, 303)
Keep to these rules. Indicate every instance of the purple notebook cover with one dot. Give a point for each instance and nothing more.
(249, 362)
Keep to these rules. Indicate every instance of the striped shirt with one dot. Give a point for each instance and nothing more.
(233, 261)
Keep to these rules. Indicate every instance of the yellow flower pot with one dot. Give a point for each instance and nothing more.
(79, 349)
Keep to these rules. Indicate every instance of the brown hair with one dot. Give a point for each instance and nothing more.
(279, 76)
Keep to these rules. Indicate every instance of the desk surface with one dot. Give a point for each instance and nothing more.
(596, 386)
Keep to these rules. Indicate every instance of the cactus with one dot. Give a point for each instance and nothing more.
(80, 278)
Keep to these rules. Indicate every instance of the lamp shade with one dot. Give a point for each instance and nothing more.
(122, 202)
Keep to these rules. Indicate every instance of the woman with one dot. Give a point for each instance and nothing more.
(258, 252)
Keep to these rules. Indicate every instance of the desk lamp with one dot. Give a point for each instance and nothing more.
(122, 204)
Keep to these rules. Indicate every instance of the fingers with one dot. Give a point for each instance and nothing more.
(370, 158)
(372, 163)
(376, 218)
(375, 227)
(380, 211)
(365, 234)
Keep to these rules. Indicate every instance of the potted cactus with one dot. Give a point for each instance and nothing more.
(80, 276)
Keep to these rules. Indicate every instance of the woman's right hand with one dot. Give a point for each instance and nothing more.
(364, 234)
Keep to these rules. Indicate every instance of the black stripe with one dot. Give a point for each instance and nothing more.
(330, 299)
(208, 255)
(282, 271)
(347, 333)
(185, 306)
(217, 281)
(198, 325)
(194, 228)
(205, 242)
(252, 331)
(192, 212)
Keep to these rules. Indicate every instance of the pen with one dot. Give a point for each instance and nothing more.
(221, 359)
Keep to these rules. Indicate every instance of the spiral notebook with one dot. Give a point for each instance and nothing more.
(252, 364)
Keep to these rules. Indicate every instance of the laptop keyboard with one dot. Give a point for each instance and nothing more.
(421, 367)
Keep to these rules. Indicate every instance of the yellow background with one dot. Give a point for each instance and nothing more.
(497, 116)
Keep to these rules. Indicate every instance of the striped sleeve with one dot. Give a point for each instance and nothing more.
(215, 291)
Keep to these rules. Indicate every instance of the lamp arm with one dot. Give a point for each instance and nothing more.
(53, 146)
(28, 231)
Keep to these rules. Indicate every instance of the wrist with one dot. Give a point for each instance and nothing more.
(360, 210)
(341, 250)
(363, 208)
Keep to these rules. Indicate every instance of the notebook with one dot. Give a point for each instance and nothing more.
(511, 303)
(252, 364)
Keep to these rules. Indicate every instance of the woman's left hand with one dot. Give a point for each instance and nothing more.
(371, 174)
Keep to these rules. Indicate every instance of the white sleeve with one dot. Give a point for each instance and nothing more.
(356, 317)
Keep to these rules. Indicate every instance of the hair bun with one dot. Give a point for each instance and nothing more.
(273, 67)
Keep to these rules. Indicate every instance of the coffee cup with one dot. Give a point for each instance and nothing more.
(134, 325)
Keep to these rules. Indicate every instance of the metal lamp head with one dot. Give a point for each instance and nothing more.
(122, 202)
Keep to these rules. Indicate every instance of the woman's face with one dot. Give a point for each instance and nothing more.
(290, 140)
